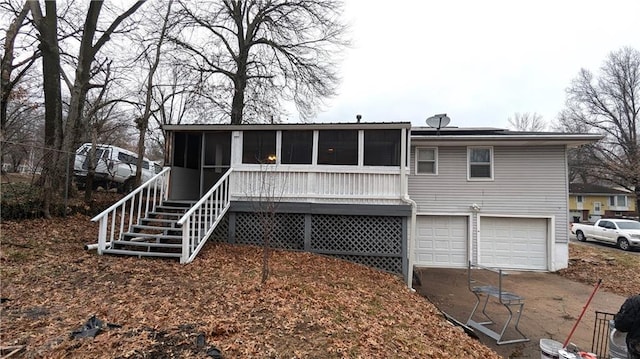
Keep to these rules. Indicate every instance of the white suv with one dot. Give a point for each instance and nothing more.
(115, 167)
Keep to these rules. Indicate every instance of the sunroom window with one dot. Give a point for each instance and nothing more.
(336, 147)
(259, 147)
(297, 147)
(382, 147)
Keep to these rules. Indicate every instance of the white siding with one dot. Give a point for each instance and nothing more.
(528, 181)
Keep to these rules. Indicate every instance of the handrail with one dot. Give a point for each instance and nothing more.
(157, 190)
(205, 197)
(203, 217)
(130, 195)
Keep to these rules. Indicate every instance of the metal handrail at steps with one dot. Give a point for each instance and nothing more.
(131, 208)
(201, 219)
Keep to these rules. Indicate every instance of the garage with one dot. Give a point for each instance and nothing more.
(441, 241)
(516, 243)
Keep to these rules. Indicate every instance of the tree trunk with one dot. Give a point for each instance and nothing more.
(237, 105)
(48, 30)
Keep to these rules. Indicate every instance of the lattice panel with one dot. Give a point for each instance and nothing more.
(221, 233)
(356, 234)
(287, 234)
(389, 264)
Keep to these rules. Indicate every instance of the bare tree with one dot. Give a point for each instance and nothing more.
(8, 64)
(142, 121)
(259, 53)
(58, 136)
(610, 104)
(527, 122)
(265, 195)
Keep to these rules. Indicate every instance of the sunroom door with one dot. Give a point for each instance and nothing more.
(217, 158)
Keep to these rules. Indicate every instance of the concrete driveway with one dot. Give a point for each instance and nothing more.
(552, 306)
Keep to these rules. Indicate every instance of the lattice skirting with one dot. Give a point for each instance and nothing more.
(375, 241)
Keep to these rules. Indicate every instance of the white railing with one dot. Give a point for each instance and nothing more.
(201, 219)
(370, 187)
(128, 211)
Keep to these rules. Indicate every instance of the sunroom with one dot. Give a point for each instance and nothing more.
(336, 189)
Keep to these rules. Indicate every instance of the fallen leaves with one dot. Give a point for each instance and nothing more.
(617, 269)
(312, 306)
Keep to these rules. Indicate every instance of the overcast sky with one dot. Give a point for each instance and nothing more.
(479, 61)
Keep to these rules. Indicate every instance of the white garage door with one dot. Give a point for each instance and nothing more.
(441, 241)
(517, 243)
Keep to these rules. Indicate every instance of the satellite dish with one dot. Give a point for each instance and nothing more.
(438, 121)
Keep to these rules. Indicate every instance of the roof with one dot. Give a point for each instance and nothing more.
(455, 136)
(593, 189)
(448, 136)
(290, 126)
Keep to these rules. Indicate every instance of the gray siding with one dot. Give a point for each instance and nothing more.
(528, 181)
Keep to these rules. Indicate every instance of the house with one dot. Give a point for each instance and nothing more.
(382, 194)
(589, 202)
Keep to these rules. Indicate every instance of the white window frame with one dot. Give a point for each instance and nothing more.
(579, 199)
(469, 149)
(613, 201)
(435, 161)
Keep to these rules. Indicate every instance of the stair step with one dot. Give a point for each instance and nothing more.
(172, 208)
(155, 228)
(147, 244)
(179, 203)
(160, 220)
(167, 214)
(142, 253)
(151, 235)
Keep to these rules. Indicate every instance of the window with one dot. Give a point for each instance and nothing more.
(338, 147)
(382, 147)
(618, 201)
(217, 149)
(128, 159)
(579, 199)
(427, 161)
(297, 147)
(259, 147)
(480, 163)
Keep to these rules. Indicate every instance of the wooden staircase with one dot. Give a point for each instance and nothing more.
(146, 223)
(157, 235)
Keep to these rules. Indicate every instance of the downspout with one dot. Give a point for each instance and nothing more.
(405, 155)
(411, 239)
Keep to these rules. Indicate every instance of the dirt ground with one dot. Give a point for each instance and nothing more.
(552, 307)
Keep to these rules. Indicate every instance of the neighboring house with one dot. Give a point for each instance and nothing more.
(590, 202)
(380, 194)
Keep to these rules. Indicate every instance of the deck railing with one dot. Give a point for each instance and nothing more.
(360, 186)
(130, 209)
(201, 219)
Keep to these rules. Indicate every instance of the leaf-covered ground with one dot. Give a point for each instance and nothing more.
(618, 270)
(311, 307)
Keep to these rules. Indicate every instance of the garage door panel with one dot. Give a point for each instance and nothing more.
(441, 241)
(518, 243)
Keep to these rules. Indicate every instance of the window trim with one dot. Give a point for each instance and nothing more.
(579, 198)
(614, 203)
(435, 161)
(491, 163)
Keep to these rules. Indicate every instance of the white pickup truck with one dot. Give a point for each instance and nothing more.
(625, 233)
